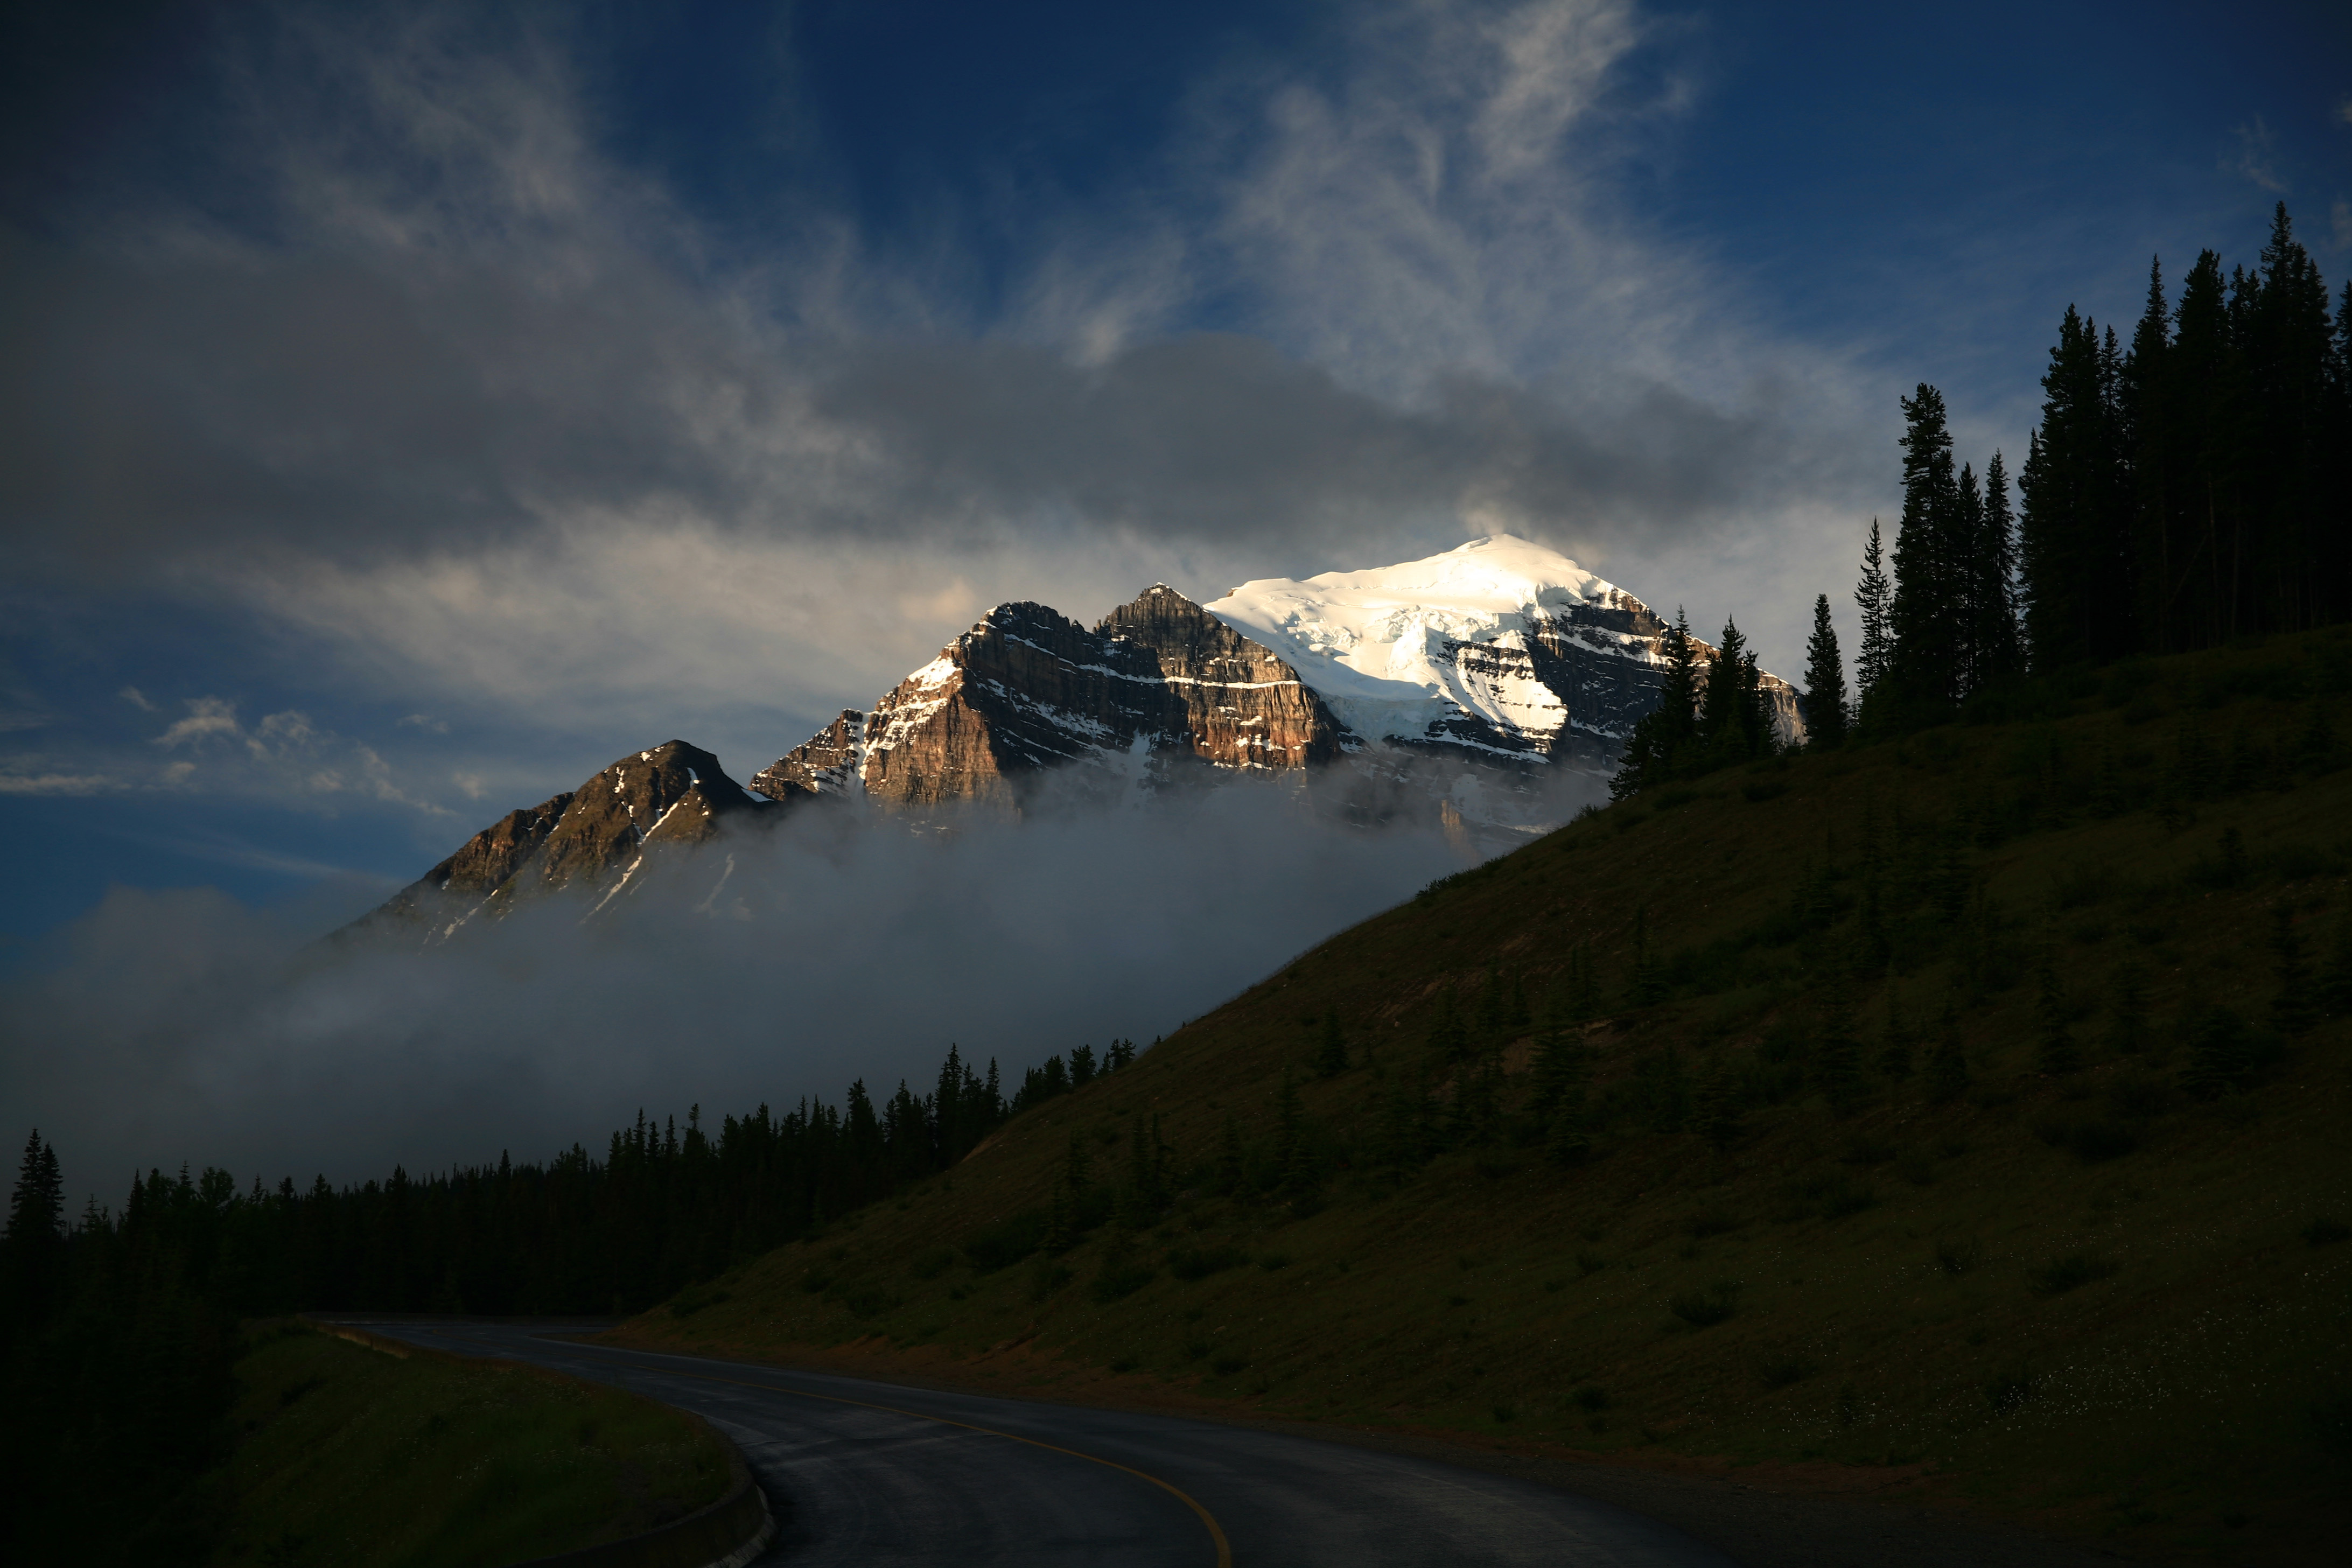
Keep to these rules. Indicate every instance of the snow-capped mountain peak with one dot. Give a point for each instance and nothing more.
(1498, 645)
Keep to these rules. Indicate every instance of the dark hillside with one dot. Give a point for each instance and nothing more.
(1972, 1109)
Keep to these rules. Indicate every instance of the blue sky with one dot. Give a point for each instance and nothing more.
(410, 413)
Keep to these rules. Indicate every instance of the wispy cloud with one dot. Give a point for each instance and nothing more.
(426, 722)
(60, 784)
(285, 752)
(2255, 156)
(209, 718)
(137, 698)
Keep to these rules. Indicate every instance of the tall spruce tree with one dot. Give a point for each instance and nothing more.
(1870, 596)
(1997, 654)
(1923, 616)
(1964, 582)
(1824, 683)
(1663, 739)
(1730, 727)
(2075, 543)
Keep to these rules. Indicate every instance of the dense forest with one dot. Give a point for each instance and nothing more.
(2189, 487)
(116, 1332)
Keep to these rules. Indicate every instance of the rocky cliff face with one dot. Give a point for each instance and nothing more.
(1028, 691)
(590, 838)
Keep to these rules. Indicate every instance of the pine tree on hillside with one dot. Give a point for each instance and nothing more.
(1960, 546)
(2074, 545)
(1925, 615)
(37, 1204)
(1996, 655)
(2288, 350)
(1729, 714)
(1661, 739)
(2147, 418)
(1870, 596)
(1331, 1052)
(1825, 722)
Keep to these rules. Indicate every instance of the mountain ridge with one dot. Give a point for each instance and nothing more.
(1468, 685)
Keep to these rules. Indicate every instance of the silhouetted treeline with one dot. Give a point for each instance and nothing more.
(2193, 485)
(2187, 487)
(117, 1331)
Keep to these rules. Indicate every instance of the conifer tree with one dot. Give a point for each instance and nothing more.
(1718, 1109)
(1824, 683)
(1584, 983)
(1894, 1041)
(2219, 1060)
(2055, 1053)
(1570, 1139)
(1873, 596)
(1947, 1065)
(1560, 1066)
(1962, 579)
(1926, 610)
(1289, 1134)
(36, 1203)
(2076, 556)
(1400, 1115)
(1449, 1042)
(2292, 1009)
(1996, 653)
(1661, 739)
(1331, 1050)
(1837, 1054)
(1728, 726)
(2128, 1011)
(1646, 987)
(2334, 989)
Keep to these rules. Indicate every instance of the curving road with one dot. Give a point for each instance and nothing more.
(873, 1473)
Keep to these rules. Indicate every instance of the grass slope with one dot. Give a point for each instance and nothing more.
(1842, 1198)
(346, 1457)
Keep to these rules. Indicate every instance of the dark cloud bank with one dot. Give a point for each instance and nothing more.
(342, 404)
(180, 1027)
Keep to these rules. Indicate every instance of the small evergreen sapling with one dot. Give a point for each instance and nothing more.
(2292, 1010)
(2218, 1056)
(1947, 1065)
(1570, 1141)
(1895, 1044)
(2056, 1052)
(1331, 1052)
(2128, 1011)
(1837, 1054)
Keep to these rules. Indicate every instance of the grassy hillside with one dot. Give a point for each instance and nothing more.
(347, 1457)
(1973, 1109)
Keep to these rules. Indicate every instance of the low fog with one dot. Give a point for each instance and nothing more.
(775, 962)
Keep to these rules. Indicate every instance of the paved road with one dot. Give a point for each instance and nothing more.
(873, 1473)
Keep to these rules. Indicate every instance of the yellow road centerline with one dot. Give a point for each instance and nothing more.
(1216, 1533)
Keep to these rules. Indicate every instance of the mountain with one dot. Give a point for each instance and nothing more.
(1500, 656)
(1159, 684)
(1499, 648)
(672, 794)
(1465, 688)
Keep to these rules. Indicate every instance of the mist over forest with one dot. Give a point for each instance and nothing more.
(772, 964)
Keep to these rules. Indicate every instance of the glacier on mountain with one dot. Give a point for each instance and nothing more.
(1498, 646)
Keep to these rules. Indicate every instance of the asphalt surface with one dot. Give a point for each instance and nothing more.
(874, 1473)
